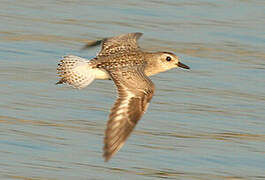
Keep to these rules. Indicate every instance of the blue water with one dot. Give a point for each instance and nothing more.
(206, 123)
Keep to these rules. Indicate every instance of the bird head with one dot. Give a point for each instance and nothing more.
(168, 60)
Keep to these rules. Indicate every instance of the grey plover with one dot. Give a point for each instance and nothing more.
(122, 61)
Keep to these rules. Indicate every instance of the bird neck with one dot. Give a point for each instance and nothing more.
(152, 66)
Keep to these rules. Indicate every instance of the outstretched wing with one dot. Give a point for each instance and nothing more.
(135, 90)
(117, 44)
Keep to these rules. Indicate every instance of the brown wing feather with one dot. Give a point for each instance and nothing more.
(135, 91)
(116, 44)
(119, 44)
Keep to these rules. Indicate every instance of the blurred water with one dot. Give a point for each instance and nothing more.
(207, 123)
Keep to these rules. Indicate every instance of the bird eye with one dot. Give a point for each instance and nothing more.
(168, 58)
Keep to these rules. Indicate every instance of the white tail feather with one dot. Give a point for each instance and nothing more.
(75, 71)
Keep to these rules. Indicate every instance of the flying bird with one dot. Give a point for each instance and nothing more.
(122, 61)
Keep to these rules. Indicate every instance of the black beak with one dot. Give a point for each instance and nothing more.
(183, 65)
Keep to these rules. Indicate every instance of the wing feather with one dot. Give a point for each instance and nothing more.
(135, 91)
(116, 44)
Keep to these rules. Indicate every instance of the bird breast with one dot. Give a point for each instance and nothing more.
(101, 74)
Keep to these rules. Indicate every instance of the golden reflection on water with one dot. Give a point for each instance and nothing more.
(215, 136)
(75, 127)
(241, 53)
(244, 53)
(219, 136)
(42, 38)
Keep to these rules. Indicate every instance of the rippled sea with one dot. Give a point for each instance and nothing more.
(206, 123)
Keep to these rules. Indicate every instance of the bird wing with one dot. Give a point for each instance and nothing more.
(135, 91)
(116, 44)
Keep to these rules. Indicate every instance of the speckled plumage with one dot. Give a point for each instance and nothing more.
(121, 60)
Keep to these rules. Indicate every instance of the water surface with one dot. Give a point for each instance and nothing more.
(207, 123)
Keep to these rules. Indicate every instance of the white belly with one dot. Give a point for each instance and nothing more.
(101, 74)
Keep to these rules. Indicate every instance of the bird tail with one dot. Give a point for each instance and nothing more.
(75, 71)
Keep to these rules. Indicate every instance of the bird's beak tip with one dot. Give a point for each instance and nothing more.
(184, 66)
